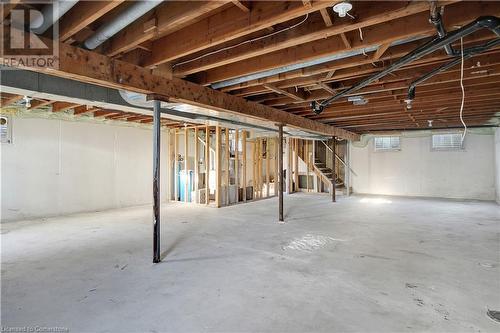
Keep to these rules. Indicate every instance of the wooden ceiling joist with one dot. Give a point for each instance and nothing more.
(326, 17)
(295, 95)
(374, 35)
(87, 66)
(307, 33)
(10, 99)
(176, 50)
(171, 16)
(216, 29)
(35, 104)
(83, 14)
(240, 5)
(63, 106)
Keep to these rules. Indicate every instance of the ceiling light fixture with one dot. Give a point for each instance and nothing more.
(27, 101)
(342, 8)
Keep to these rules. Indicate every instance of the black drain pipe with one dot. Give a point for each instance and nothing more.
(467, 54)
(485, 22)
(437, 21)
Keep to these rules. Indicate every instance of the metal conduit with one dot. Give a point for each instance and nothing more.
(485, 22)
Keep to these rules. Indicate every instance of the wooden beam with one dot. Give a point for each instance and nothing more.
(103, 113)
(137, 117)
(315, 73)
(63, 106)
(375, 35)
(11, 100)
(329, 75)
(326, 17)
(380, 51)
(240, 5)
(307, 3)
(346, 41)
(39, 103)
(87, 66)
(287, 92)
(170, 17)
(82, 15)
(307, 33)
(216, 29)
(84, 109)
(326, 87)
(118, 116)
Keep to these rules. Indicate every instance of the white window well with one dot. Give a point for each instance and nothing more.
(387, 143)
(447, 141)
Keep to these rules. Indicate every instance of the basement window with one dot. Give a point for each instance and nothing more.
(387, 143)
(447, 141)
(5, 130)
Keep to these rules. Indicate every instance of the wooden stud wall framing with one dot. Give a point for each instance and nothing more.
(236, 164)
(296, 164)
(268, 168)
(186, 164)
(207, 165)
(244, 166)
(227, 160)
(196, 166)
(176, 165)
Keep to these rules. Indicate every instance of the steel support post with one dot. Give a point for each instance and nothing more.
(156, 181)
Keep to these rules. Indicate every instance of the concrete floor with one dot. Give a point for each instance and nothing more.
(364, 264)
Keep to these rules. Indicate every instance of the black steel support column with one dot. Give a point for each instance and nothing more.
(280, 171)
(156, 181)
(334, 141)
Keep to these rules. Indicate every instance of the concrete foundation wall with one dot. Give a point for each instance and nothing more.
(416, 170)
(58, 167)
(497, 164)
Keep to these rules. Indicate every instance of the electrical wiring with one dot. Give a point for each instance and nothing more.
(243, 43)
(463, 91)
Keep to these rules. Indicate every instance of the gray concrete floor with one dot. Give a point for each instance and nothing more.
(364, 264)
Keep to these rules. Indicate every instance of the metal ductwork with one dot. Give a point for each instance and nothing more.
(50, 14)
(125, 18)
(486, 22)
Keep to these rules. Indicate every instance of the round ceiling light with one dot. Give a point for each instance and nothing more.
(342, 8)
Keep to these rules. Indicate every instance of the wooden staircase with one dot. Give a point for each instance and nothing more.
(324, 172)
(318, 157)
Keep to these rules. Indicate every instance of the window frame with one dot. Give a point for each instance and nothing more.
(383, 150)
(438, 149)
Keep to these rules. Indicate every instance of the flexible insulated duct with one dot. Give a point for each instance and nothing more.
(125, 18)
(50, 14)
